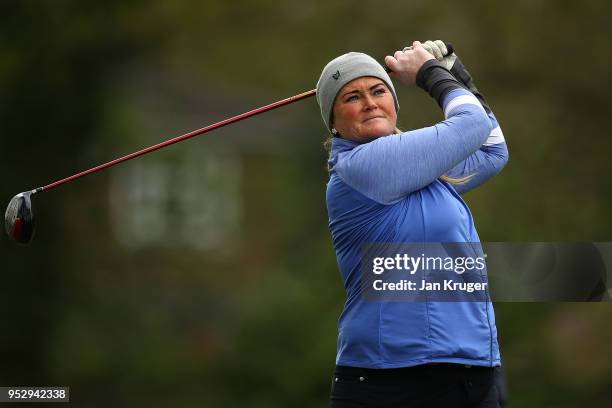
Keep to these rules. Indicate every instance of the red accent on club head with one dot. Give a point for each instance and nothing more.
(17, 228)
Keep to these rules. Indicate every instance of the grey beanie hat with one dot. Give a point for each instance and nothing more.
(342, 70)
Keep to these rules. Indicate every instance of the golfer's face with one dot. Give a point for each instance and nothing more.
(364, 110)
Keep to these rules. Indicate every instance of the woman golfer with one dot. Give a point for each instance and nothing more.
(391, 186)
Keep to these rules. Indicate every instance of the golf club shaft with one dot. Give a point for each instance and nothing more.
(181, 138)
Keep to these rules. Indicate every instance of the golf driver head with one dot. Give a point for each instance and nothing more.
(19, 218)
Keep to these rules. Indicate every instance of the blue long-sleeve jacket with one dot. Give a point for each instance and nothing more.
(388, 190)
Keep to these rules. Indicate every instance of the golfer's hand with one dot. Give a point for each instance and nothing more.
(438, 49)
(406, 63)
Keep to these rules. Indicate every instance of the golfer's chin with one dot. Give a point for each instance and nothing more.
(375, 130)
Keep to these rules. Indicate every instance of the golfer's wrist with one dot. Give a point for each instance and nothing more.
(436, 80)
(465, 78)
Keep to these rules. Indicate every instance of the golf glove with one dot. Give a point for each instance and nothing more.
(438, 49)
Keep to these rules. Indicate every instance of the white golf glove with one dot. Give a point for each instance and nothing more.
(438, 49)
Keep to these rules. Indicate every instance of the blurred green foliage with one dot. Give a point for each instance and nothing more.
(253, 324)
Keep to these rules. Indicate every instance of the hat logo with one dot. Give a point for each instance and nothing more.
(336, 75)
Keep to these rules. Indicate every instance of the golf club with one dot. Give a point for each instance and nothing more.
(19, 217)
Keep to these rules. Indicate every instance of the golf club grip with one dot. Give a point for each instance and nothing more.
(449, 50)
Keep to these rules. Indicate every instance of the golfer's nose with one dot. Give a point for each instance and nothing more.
(369, 103)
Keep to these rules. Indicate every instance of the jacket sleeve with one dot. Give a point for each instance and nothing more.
(485, 162)
(389, 168)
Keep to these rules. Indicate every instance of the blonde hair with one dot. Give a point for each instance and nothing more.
(327, 143)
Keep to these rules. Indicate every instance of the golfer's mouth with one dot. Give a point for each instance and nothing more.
(373, 118)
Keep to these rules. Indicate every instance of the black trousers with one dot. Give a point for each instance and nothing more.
(429, 385)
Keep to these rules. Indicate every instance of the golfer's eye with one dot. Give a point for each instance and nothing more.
(380, 91)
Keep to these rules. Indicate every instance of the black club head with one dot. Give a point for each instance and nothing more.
(19, 218)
